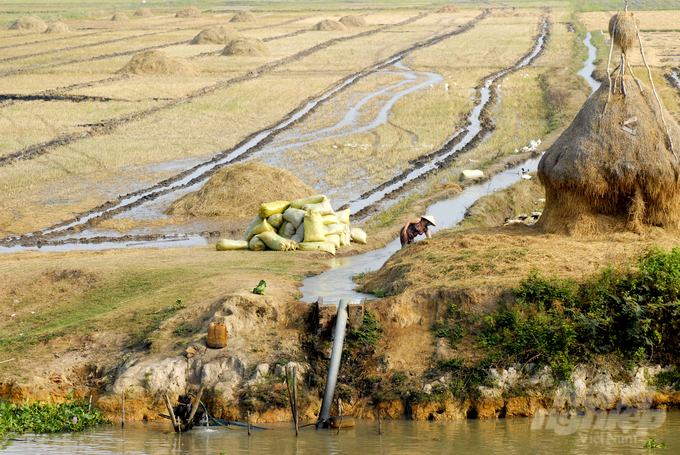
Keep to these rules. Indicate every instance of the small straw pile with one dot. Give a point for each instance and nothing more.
(216, 35)
(249, 47)
(32, 23)
(244, 16)
(353, 21)
(120, 17)
(328, 25)
(189, 11)
(158, 63)
(143, 12)
(57, 27)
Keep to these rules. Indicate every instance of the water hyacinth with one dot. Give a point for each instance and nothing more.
(48, 418)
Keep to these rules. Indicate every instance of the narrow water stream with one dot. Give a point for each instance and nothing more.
(589, 65)
(337, 283)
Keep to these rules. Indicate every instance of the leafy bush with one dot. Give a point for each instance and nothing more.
(48, 418)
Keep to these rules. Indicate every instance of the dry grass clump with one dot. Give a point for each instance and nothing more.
(189, 11)
(143, 12)
(615, 171)
(624, 30)
(57, 27)
(237, 191)
(244, 16)
(216, 35)
(328, 25)
(353, 21)
(157, 62)
(250, 47)
(449, 9)
(120, 17)
(32, 23)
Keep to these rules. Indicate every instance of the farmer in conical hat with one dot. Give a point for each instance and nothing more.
(416, 226)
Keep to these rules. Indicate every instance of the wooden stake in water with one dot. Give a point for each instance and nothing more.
(122, 419)
(379, 422)
(248, 423)
(89, 407)
(295, 406)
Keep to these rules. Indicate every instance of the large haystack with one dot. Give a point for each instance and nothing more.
(31, 23)
(449, 9)
(120, 17)
(615, 173)
(329, 25)
(249, 47)
(237, 191)
(216, 35)
(353, 21)
(189, 11)
(244, 16)
(57, 27)
(159, 63)
(143, 12)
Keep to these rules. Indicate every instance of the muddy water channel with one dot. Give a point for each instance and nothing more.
(503, 436)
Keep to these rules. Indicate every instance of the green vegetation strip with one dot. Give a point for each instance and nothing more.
(48, 418)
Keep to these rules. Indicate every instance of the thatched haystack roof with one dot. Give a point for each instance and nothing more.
(32, 23)
(57, 27)
(157, 62)
(328, 25)
(615, 173)
(143, 12)
(189, 11)
(244, 16)
(238, 190)
(353, 21)
(249, 47)
(449, 9)
(120, 17)
(216, 35)
(625, 34)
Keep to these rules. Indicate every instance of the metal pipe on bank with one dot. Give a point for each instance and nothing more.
(336, 354)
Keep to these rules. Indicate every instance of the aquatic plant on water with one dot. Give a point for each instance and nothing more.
(39, 417)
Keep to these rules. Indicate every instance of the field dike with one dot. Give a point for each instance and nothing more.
(109, 125)
(92, 217)
(414, 356)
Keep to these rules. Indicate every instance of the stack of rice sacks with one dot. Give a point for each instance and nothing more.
(308, 224)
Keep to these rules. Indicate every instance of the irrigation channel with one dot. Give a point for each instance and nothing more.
(571, 435)
(589, 65)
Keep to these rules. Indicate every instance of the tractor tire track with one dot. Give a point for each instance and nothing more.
(107, 210)
(109, 125)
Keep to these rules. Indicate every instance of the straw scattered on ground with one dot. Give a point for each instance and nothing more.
(57, 27)
(189, 11)
(158, 63)
(217, 35)
(328, 25)
(249, 47)
(244, 16)
(353, 21)
(237, 191)
(32, 23)
(143, 12)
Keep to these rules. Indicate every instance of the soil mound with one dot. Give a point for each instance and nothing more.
(237, 191)
(120, 17)
(244, 16)
(449, 9)
(58, 27)
(250, 47)
(32, 23)
(189, 11)
(157, 62)
(353, 21)
(143, 12)
(328, 25)
(216, 35)
(613, 172)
